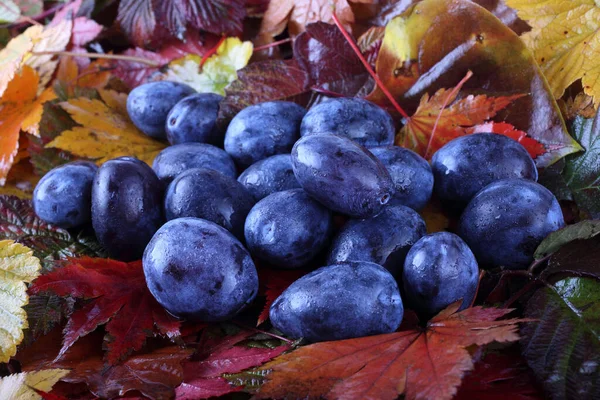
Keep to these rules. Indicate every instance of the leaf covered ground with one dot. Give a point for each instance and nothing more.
(77, 325)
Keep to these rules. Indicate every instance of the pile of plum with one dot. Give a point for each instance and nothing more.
(319, 187)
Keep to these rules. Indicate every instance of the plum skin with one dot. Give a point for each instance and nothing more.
(63, 196)
(384, 239)
(287, 229)
(149, 104)
(358, 119)
(178, 158)
(197, 270)
(439, 269)
(126, 207)
(341, 301)
(342, 175)
(506, 221)
(265, 177)
(467, 164)
(193, 119)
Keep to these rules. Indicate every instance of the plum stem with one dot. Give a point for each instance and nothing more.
(288, 341)
(274, 44)
(450, 95)
(368, 68)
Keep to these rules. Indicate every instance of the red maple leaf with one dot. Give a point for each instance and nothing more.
(422, 363)
(533, 147)
(202, 377)
(118, 298)
(273, 283)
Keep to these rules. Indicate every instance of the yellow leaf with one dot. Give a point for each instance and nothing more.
(17, 266)
(22, 386)
(565, 40)
(35, 39)
(106, 131)
(217, 72)
(20, 109)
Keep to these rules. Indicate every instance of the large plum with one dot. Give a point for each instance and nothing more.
(193, 119)
(197, 270)
(341, 301)
(126, 207)
(273, 174)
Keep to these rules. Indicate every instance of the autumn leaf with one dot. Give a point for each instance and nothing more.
(273, 283)
(73, 81)
(421, 364)
(18, 266)
(9, 11)
(133, 73)
(447, 123)
(21, 180)
(119, 298)
(533, 147)
(218, 71)
(565, 40)
(21, 109)
(84, 31)
(25, 386)
(106, 131)
(202, 376)
(296, 14)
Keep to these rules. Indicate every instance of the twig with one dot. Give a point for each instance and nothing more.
(98, 55)
(288, 341)
(452, 93)
(369, 69)
(269, 45)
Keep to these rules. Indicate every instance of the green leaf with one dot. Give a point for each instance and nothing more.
(582, 170)
(563, 345)
(18, 222)
(9, 11)
(43, 313)
(582, 230)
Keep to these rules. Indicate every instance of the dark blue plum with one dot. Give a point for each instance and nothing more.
(197, 270)
(194, 118)
(287, 229)
(63, 197)
(439, 270)
(342, 175)
(273, 174)
(149, 104)
(263, 130)
(411, 174)
(384, 239)
(507, 220)
(341, 301)
(467, 164)
(210, 195)
(126, 207)
(178, 158)
(357, 119)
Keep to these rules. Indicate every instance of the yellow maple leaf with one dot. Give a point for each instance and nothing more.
(23, 386)
(20, 109)
(35, 39)
(218, 71)
(106, 131)
(17, 266)
(565, 40)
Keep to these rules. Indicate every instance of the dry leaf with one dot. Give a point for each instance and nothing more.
(24, 386)
(565, 40)
(106, 131)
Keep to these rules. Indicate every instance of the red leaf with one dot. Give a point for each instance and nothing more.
(422, 364)
(275, 282)
(533, 147)
(204, 388)
(134, 73)
(120, 299)
(84, 31)
(137, 19)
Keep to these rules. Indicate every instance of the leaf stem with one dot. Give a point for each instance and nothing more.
(368, 68)
(326, 92)
(212, 51)
(98, 55)
(36, 18)
(288, 341)
(450, 95)
(537, 263)
(274, 44)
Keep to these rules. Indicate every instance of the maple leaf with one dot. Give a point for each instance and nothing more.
(565, 39)
(106, 130)
(296, 14)
(422, 364)
(215, 73)
(21, 109)
(273, 283)
(202, 377)
(119, 298)
(433, 125)
(27, 384)
(18, 266)
(533, 147)
(140, 18)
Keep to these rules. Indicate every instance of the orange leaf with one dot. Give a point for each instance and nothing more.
(69, 76)
(451, 121)
(533, 147)
(422, 364)
(20, 109)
